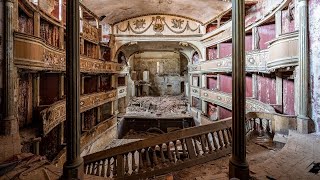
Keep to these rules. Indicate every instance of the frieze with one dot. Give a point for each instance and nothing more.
(50, 58)
(158, 25)
(90, 33)
(55, 114)
(225, 100)
(255, 62)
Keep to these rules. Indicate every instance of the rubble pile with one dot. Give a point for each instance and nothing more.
(158, 106)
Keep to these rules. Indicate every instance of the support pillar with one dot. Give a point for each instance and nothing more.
(303, 74)
(238, 166)
(9, 125)
(278, 18)
(73, 167)
(36, 90)
(61, 86)
(36, 24)
(254, 86)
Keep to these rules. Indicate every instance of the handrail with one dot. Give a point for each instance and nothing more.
(164, 153)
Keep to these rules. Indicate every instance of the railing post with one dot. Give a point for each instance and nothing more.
(238, 166)
(73, 167)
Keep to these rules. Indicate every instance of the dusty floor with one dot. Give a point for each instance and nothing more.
(257, 152)
(172, 106)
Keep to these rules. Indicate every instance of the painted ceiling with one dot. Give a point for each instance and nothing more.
(118, 10)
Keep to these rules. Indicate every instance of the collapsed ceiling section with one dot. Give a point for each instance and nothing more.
(119, 10)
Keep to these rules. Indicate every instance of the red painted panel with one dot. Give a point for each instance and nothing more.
(196, 102)
(212, 53)
(212, 112)
(211, 83)
(266, 89)
(288, 97)
(248, 42)
(266, 33)
(248, 86)
(211, 27)
(225, 83)
(224, 113)
(287, 22)
(49, 88)
(225, 50)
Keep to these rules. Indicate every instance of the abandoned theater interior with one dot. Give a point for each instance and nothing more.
(160, 89)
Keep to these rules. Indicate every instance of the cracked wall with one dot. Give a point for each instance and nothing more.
(314, 41)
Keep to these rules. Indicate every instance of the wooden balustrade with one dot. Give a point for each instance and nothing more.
(164, 153)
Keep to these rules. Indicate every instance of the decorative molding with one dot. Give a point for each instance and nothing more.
(122, 92)
(56, 113)
(33, 53)
(161, 25)
(89, 32)
(195, 91)
(225, 100)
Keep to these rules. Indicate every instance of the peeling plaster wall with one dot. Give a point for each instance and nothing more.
(288, 97)
(266, 89)
(225, 83)
(224, 113)
(266, 34)
(1, 56)
(169, 80)
(211, 83)
(314, 35)
(225, 50)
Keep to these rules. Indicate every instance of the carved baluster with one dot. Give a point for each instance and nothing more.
(163, 159)
(87, 169)
(115, 167)
(154, 156)
(141, 161)
(203, 144)
(103, 170)
(209, 143)
(196, 145)
(220, 139)
(93, 168)
(224, 137)
(126, 164)
(98, 168)
(214, 139)
(169, 152)
(229, 131)
(177, 151)
(134, 166)
(109, 168)
(184, 151)
(148, 158)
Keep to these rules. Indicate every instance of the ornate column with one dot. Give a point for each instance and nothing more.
(73, 167)
(238, 166)
(303, 74)
(9, 133)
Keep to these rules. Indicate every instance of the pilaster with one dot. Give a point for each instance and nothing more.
(278, 18)
(303, 73)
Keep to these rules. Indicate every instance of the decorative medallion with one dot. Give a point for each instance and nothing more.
(177, 23)
(158, 25)
(139, 23)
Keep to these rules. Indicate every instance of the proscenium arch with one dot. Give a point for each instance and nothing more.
(188, 49)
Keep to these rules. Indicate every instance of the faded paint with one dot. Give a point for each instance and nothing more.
(211, 27)
(314, 23)
(249, 86)
(248, 41)
(266, 34)
(212, 53)
(225, 83)
(225, 50)
(266, 89)
(288, 21)
(212, 111)
(224, 113)
(288, 97)
(211, 83)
